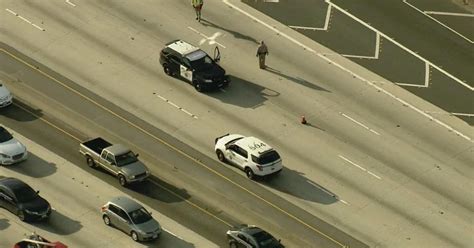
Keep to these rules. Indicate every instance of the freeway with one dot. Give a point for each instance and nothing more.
(371, 163)
(76, 198)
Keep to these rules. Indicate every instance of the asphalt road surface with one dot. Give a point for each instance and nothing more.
(439, 31)
(376, 165)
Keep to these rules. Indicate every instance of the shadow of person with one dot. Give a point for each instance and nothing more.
(296, 184)
(236, 34)
(295, 79)
(60, 224)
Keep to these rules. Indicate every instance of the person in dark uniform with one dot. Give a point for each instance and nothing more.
(262, 52)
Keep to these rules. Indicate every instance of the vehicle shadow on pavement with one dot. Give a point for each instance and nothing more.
(16, 111)
(297, 80)
(34, 167)
(4, 224)
(160, 190)
(168, 239)
(296, 184)
(59, 223)
(237, 35)
(244, 93)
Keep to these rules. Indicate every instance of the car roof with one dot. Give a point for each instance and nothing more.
(182, 47)
(253, 145)
(125, 203)
(13, 183)
(118, 149)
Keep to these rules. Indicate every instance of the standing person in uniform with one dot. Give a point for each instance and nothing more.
(262, 52)
(197, 4)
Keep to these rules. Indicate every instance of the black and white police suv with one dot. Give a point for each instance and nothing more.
(250, 154)
(184, 60)
(251, 237)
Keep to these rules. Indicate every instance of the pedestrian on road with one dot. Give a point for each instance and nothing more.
(466, 2)
(262, 52)
(197, 4)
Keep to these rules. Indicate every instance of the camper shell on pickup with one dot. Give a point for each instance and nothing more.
(116, 159)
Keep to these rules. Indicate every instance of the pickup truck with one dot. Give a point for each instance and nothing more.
(116, 159)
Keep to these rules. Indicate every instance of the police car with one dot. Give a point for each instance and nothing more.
(250, 154)
(186, 61)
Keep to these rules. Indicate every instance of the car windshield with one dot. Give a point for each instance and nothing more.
(268, 157)
(265, 240)
(25, 194)
(140, 216)
(5, 135)
(202, 64)
(126, 158)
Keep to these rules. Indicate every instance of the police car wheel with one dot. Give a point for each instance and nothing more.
(197, 86)
(249, 173)
(167, 70)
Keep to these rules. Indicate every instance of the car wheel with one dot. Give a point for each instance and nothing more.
(106, 220)
(197, 86)
(90, 162)
(167, 70)
(134, 236)
(220, 156)
(249, 173)
(122, 180)
(233, 245)
(21, 215)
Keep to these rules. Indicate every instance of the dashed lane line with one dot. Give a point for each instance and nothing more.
(25, 19)
(176, 106)
(359, 123)
(360, 167)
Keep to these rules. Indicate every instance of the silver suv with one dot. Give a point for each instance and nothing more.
(132, 218)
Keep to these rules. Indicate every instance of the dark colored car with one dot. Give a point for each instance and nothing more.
(20, 199)
(251, 236)
(186, 61)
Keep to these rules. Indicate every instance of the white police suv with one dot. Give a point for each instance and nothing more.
(250, 154)
(192, 64)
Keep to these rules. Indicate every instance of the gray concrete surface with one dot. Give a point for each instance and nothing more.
(423, 163)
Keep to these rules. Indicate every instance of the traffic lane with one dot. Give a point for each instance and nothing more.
(418, 33)
(160, 195)
(76, 198)
(272, 206)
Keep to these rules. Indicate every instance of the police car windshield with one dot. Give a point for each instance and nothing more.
(202, 64)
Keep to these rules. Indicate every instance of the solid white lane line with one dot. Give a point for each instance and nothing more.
(324, 28)
(25, 20)
(176, 106)
(360, 167)
(440, 23)
(448, 13)
(445, 113)
(359, 123)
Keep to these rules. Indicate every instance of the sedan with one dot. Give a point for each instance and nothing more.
(20, 199)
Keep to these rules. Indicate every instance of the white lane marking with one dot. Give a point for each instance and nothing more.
(360, 167)
(359, 123)
(401, 46)
(25, 20)
(341, 200)
(349, 71)
(70, 3)
(448, 13)
(440, 23)
(271, 1)
(176, 106)
(376, 54)
(452, 113)
(211, 40)
(427, 79)
(326, 22)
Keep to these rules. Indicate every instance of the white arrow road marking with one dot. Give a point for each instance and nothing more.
(211, 39)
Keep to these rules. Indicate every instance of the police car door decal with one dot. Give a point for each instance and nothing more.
(184, 72)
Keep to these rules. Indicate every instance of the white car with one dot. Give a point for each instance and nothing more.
(11, 150)
(6, 97)
(250, 154)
